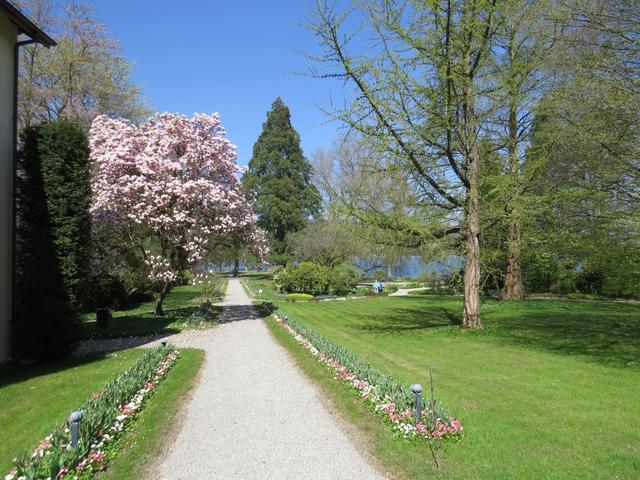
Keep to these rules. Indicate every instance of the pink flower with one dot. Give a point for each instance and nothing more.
(97, 457)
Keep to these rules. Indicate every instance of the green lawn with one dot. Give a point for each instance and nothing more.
(549, 389)
(181, 309)
(36, 398)
(257, 281)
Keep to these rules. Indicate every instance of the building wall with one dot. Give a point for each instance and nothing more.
(8, 33)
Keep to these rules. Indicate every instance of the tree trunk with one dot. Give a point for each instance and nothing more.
(471, 317)
(160, 298)
(236, 267)
(513, 288)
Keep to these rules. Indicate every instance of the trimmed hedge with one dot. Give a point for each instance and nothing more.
(292, 297)
(52, 239)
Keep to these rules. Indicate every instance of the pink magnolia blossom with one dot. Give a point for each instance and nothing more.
(170, 185)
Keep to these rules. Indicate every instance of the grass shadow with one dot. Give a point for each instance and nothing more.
(603, 332)
(607, 333)
(20, 373)
(173, 321)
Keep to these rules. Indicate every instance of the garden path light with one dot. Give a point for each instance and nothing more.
(416, 388)
(74, 426)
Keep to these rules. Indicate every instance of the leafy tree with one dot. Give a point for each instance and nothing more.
(46, 323)
(169, 191)
(84, 76)
(524, 43)
(586, 133)
(421, 97)
(326, 243)
(280, 178)
(63, 150)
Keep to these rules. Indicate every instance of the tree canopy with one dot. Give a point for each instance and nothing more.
(279, 179)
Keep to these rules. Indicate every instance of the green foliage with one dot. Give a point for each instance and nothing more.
(53, 239)
(292, 297)
(315, 279)
(305, 277)
(364, 292)
(63, 149)
(328, 243)
(280, 178)
(266, 308)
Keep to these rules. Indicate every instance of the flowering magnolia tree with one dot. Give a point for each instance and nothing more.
(168, 190)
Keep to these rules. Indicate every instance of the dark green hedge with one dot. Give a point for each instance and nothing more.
(54, 230)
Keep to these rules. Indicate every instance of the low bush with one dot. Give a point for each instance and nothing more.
(265, 308)
(391, 288)
(364, 292)
(314, 279)
(292, 297)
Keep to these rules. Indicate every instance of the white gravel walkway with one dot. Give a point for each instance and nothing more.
(253, 414)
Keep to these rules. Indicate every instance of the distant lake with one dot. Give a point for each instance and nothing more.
(407, 266)
(412, 266)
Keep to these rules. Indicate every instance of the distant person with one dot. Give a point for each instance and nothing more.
(377, 287)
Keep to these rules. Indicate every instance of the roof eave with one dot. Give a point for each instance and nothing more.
(25, 25)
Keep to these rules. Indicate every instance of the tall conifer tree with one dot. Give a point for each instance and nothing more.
(280, 178)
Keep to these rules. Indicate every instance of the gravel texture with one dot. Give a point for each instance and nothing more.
(253, 414)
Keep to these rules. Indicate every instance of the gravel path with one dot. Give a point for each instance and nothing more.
(253, 415)
(403, 292)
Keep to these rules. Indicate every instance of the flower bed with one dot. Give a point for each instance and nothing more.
(104, 418)
(388, 398)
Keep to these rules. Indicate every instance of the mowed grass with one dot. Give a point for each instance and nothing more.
(549, 389)
(181, 303)
(35, 399)
(257, 281)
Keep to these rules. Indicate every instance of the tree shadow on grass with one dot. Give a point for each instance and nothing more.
(144, 324)
(605, 333)
(412, 314)
(21, 373)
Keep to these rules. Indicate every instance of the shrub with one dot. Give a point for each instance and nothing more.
(62, 150)
(265, 308)
(391, 288)
(315, 279)
(363, 292)
(292, 297)
(52, 246)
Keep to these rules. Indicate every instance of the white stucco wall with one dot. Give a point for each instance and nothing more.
(8, 33)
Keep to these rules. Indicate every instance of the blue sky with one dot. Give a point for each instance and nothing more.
(231, 57)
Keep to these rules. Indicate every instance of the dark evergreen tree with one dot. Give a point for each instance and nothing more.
(53, 236)
(64, 152)
(280, 178)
